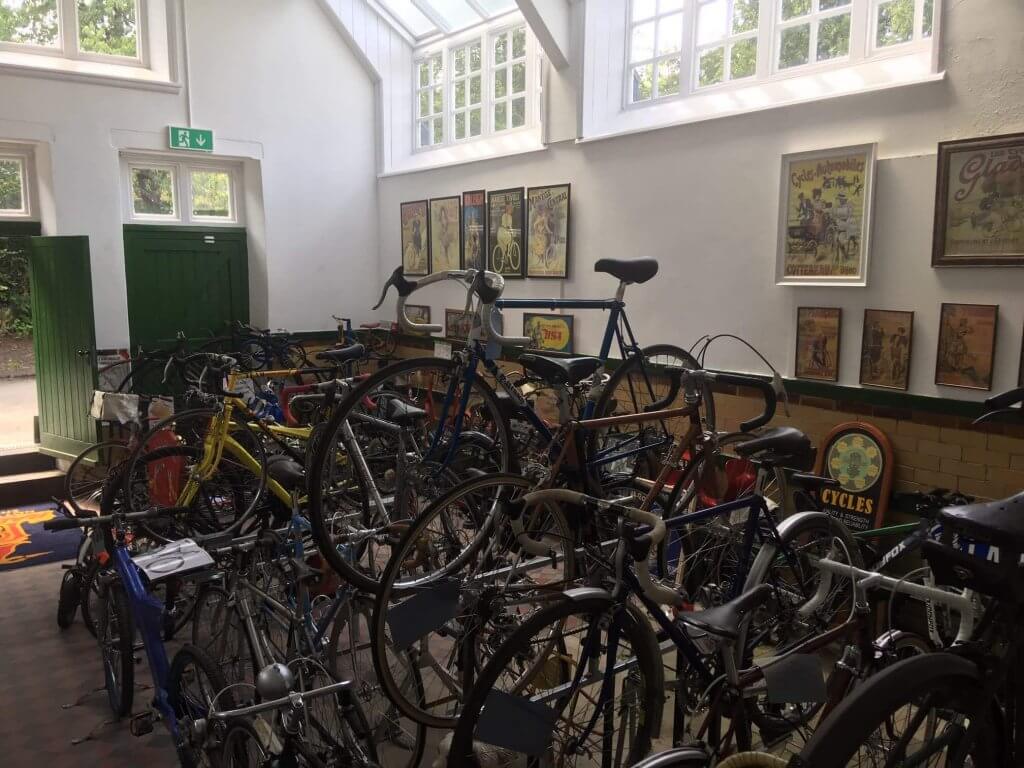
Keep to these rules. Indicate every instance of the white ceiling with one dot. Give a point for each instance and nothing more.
(423, 19)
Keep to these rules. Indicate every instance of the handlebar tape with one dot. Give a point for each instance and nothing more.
(766, 390)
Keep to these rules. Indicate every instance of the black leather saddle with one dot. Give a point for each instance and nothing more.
(287, 472)
(726, 620)
(403, 413)
(628, 270)
(560, 370)
(343, 355)
(998, 522)
(779, 446)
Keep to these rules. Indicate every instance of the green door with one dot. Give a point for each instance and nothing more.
(184, 279)
(65, 339)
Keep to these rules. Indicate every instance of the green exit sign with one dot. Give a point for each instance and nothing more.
(193, 139)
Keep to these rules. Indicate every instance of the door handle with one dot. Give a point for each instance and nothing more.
(84, 352)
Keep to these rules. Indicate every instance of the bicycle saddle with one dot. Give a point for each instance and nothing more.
(628, 270)
(404, 414)
(288, 473)
(351, 352)
(780, 445)
(998, 522)
(726, 620)
(560, 370)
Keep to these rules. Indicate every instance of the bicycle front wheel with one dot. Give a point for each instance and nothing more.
(116, 635)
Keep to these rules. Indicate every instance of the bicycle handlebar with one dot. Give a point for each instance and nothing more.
(766, 388)
(64, 523)
(1003, 404)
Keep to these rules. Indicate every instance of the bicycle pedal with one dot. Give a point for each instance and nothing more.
(142, 723)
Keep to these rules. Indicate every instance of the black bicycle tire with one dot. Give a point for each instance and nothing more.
(644, 646)
(119, 697)
(240, 725)
(224, 699)
(69, 596)
(324, 450)
(203, 622)
(69, 494)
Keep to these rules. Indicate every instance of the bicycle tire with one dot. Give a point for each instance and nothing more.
(83, 482)
(116, 636)
(635, 629)
(69, 597)
(243, 747)
(219, 632)
(216, 696)
(325, 453)
(956, 683)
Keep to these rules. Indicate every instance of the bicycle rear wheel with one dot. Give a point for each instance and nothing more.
(83, 483)
(195, 688)
(116, 635)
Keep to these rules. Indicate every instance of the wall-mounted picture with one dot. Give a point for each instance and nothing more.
(979, 203)
(967, 345)
(505, 231)
(547, 231)
(418, 313)
(474, 230)
(885, 348)
(1020, 367)
(457, 323)
(415, 238)
(551, 333)
(445, 233)
(825, 216)
(817, 343)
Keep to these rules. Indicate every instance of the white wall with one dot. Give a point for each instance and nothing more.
(703, 199)
(271, 79)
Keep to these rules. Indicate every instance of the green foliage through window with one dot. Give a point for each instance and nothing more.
(211, 194)
(153, 191)
(15, 300)
(744, 16)
(793, 8)
(795, 47)
(743, 59)
(32, 22)
(895, 23)
(108, 26)
(834, 37)
(11, 193)
(712, 66)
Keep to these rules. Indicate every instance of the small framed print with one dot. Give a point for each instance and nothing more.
(505, 232)
(825, 202)
(885, 348)
(817, 343)
(1020, 371)
(474, 230)
(550, 333)
(418, 313)
(547, 231)
(457, 323)
(967, 345)
(978, 201)
(415, 238)
(445, 233)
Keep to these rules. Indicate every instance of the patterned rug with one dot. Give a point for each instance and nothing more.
(23, 541)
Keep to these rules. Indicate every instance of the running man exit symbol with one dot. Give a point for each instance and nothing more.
(191, 139)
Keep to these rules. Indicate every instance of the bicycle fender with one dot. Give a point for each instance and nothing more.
(580, 594)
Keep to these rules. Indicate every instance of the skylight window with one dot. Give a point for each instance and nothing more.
(423, 19)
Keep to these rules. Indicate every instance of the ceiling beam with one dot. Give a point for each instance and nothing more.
(550, 21)
(432, 13)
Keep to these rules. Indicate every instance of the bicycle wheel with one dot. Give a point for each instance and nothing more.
(453, 591)
(400, 741)
(115, 633)
(220, 633)
(244, 747)
(195, 688)
(389, 449)
(69, 597)
(913, 713)
(514, 261)
(560, 719)
(498, 259)
(83, 483)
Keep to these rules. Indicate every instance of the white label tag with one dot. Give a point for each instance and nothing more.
(174, 558)
(443, 350)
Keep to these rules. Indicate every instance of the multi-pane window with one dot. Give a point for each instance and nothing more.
(655, 48)
(211, 194)
(188, 192)
(726, 40)
(84, 29)
(902, 21)
(810, 31)
(467, 90)
(430, 101)
(13, 192)
(508, 78)
(153, 192)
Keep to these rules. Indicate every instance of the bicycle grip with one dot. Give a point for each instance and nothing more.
(764, 387)
(1005, 399)
(61, 524)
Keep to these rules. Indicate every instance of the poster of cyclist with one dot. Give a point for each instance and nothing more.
(825, 216)
(551, 333)
(415, 238)
(474, 230)
(505, 232)
(885, 348)
(547, 231)
(979, 203)
(445, 233)
(967, 345)
(817, 343)
(457, 324)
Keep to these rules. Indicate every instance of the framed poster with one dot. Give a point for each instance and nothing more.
(547, 230)
(550, 333)
(445, 233)
(418, 313)
(979, 203)
(1020, 371)
(885, 348)
(505, 232)
(860, 457)
(474, 230)
(457, 323)
(825, 202)
(967, 345)
(817, 343)
(415, 238)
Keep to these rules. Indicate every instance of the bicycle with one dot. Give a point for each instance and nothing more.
(511, 254)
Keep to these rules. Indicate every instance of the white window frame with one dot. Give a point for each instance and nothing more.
(916, 39)
(507, 66)
(181, 169)
(67, 44)
(454, 111)
(417, 120)
(727, 42)
(813, 19)
(26, 160)
(688, 9)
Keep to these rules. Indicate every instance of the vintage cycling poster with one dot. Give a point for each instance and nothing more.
(979, 205)
(967, 345)
(551, 333)
(825, 217)
(885, 348)
(474, 230)
(457, 324)
(445, 233)
(505, 232)
(817, 343)
(547, 231)
(415, 238)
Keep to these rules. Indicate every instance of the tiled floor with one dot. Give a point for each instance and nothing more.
(43, 669)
